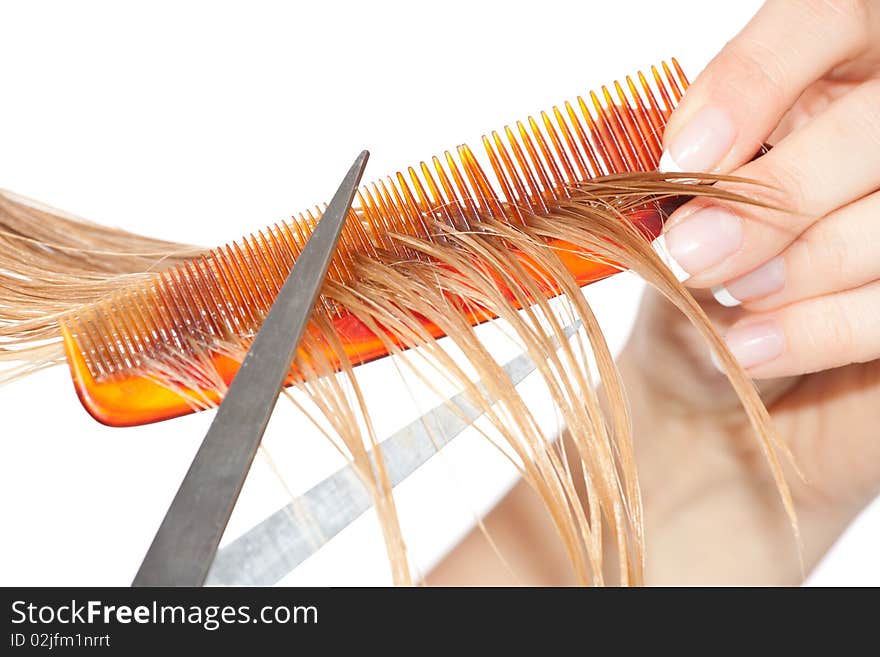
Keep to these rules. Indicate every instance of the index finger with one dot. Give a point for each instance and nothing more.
(737, 101)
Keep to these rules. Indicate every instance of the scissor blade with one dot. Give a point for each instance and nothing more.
(273, 548)
(184, 546)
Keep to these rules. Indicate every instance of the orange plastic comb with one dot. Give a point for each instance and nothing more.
(228, 290)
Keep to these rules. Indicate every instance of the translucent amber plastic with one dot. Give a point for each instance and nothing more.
(135, 400)
(228, 290)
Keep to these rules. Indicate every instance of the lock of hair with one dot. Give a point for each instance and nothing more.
(115, 347)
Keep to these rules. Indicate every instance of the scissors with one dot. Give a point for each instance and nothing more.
(184, 547)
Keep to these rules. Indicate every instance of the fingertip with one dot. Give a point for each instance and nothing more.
(662, 250)
(668, 164)
(724, 297)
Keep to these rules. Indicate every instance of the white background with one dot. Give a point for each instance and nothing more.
(202, 122)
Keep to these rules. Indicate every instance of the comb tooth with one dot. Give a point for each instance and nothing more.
(501, 175)
(137, 335)
(269, 255)
(347, 245)
(280, 248)
(459, 220)
(356, 219)
(129, 329)
(301, 236)
(410, 210)
(75, 324)
(573, 176)
(292, 248)
(106, 338)
(145, 304)
(309, 222)
(464, 193)
(222, 293)
(217, 288)
(405, 219)
(256, 247)
(248, 270)
(438, 202)
(344, 246)
(416, 217)
(88, 348)
(277, 256)
(618, 131)
(369, 221)
(523, 198)
(213, 310)
(150, 311)
(144, 327)
(656, 113)
(682, 78)
(397, 213)
(95, 340)
(361, 244)
(425, 204)
(605, 135)
(334, 269)
(664, 94)
(596, 169)
(115, 356)
(653, 140)
(546, 187)
(673, 85)
(249, 300)
(389, 216)
(534, 188)
(479, 182)
(601, 145)
(71, 324)
(188, 309)
(104, 345)
(193, 303)
(378, 227)
(168, 309)
(558, 187)
(639, 139)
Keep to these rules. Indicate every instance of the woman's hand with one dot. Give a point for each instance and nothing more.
(805, 76)
(802, 291)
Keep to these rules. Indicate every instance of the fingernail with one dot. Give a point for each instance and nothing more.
(753, 344)
(724, 297)
(662, 250)
(765, 280)
(702, 240)
(701, 143)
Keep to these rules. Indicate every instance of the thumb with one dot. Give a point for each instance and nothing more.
(737, 101)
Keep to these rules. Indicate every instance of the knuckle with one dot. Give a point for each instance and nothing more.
(852, 16)
(826, 250)
(854, 11)
(828, 328)
(756, 71)
(786, 188)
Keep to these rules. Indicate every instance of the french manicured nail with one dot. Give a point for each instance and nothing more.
(753, 344)
(700, 241)
(763, 281)
(701, 144)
